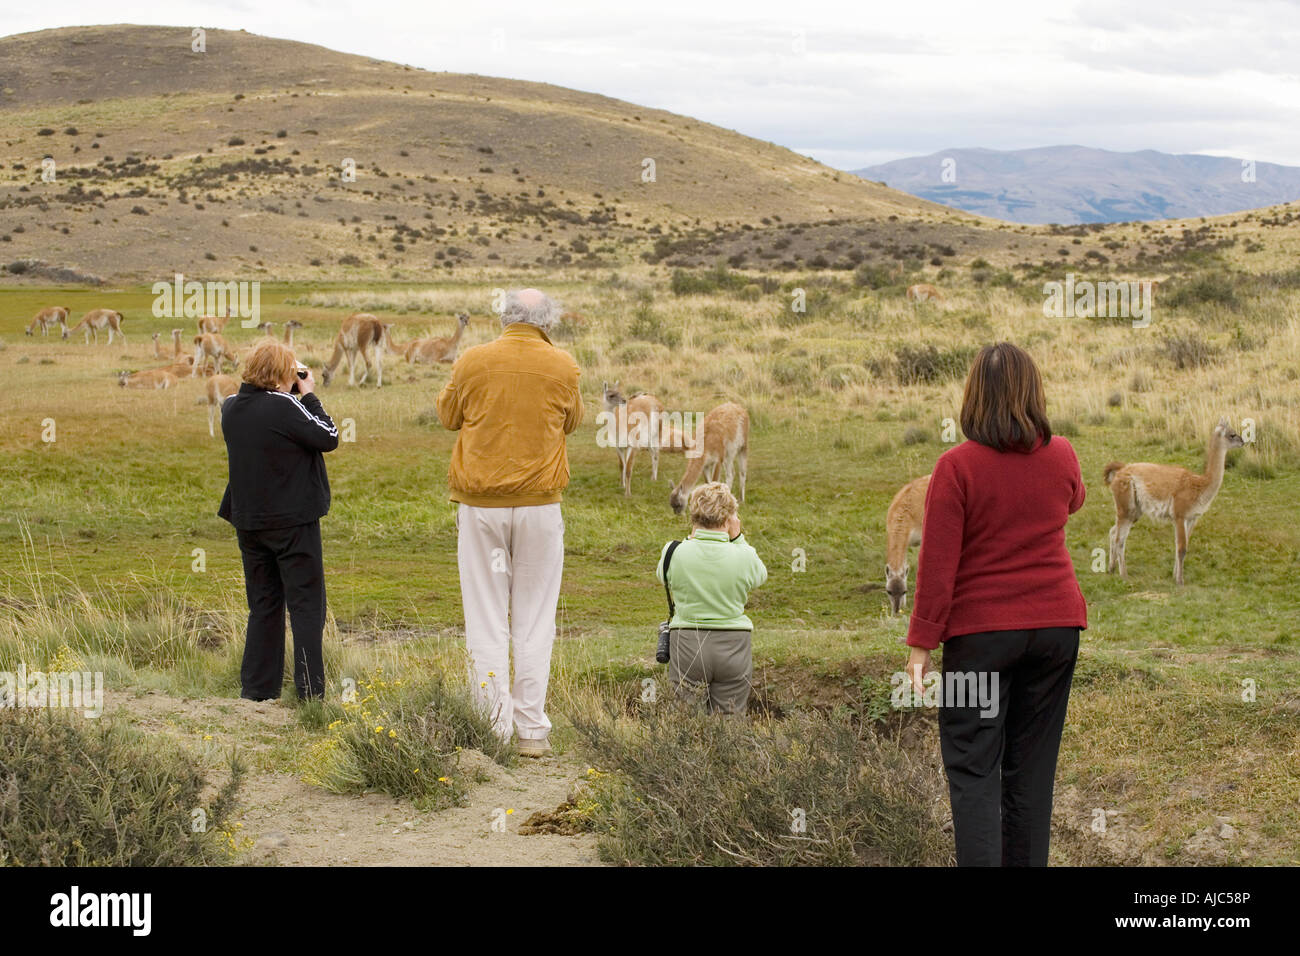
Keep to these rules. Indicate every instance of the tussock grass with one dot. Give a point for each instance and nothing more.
(77, 792)
(677, 787)
(406, 739)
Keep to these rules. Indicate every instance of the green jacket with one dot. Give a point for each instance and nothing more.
(711, 577)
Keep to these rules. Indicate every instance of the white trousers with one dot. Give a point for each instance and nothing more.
(511, 561)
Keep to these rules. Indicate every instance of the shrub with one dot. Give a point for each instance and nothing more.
(680, 788)
(915, 435)
(76, 792)
(1211, 288)
(788, 372)
(648, 326)
(406, 741)
(1189, 351)
(842, 376)
(872, 276)
(927, 364)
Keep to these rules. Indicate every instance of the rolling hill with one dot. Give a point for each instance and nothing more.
(1076, 184)
(231, 161)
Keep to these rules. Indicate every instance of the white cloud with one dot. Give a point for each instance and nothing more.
(851, 83)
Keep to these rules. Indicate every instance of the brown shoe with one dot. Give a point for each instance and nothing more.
(536, 747)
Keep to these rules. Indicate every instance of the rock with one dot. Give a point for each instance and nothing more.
(1227, 832)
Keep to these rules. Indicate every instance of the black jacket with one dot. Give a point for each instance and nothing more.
(274, 445)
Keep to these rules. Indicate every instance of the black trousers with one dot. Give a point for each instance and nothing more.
(283, 566)
(1002, 768)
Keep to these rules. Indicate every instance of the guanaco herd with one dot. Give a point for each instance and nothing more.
(717, 448)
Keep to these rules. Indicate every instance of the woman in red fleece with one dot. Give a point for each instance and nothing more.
(995, 585)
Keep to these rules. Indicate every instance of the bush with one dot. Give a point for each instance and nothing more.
(1211, 288)
(926, 364)
(872, 276)
(77, 792)
(679, 788)
(788, 372)
(406, 741)
(649, 327)
(842, 376)
(1189, 351)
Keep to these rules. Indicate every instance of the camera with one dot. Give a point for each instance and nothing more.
(661, 652)
(303, 372)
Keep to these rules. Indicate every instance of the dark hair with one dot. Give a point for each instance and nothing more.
(1004, 406)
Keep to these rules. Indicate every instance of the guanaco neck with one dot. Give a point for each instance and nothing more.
(1214, 463)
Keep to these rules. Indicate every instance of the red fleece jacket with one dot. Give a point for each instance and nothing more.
(993, 555)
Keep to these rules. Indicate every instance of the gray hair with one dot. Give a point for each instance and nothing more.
(544, 313)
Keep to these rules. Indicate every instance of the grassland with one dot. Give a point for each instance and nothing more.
(98, 529)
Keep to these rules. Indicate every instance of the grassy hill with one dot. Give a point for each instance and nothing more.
(229, 161)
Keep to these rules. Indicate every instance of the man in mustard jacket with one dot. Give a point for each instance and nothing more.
(513, 401)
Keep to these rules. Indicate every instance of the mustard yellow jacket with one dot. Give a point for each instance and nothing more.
(513, 400)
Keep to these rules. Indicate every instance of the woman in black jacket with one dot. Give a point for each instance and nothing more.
(277, 494)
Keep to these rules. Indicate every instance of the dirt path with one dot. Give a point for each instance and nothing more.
(292, 823)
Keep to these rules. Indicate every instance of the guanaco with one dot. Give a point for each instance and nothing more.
(95, 321)
(634, 423)
(723, 445)
(214, 347)
(432, 351)
(365, 335)
(923, 293)
(903, 525)
(149, 378)
(218, 389)
(1166, 493)
(51, 315)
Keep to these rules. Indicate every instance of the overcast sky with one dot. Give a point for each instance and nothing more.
(849, 83)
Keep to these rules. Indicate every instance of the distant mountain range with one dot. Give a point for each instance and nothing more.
(1075, 184)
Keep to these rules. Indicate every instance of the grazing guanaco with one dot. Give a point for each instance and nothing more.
(51, 315)
(149, 378)
(289, 329)
(218, 388)
(96, 320)
(1166, 493)
(723, 445)
(214, 347)
(365, 335)
(903, 523)
(923, 293)
(432, 351)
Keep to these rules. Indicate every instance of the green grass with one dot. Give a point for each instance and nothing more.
(98, 530)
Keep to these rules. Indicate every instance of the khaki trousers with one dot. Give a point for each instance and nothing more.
(511, 561)
(718, 664)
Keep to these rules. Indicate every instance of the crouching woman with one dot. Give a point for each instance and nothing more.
(710, 575)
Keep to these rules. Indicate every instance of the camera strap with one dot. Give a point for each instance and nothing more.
(668, 557)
